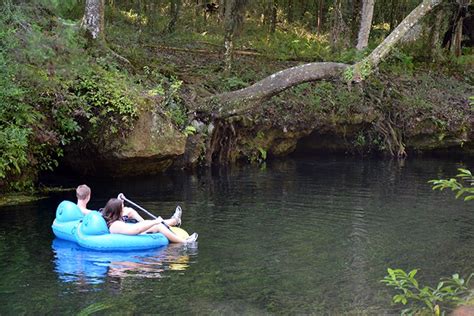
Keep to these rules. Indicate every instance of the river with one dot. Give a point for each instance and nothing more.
(300, 236)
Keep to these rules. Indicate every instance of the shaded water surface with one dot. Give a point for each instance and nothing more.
(304, 236)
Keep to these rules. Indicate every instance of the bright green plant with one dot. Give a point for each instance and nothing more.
(190, 130)
(263, 154)
(426, 299)
(465, 185)
(360, 140)
(348, 74)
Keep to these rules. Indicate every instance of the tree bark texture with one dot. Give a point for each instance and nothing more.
(319, 20)
(93, 20)
(273, 20)
(435, 35)
(229, 35)
(233, 20)
(365, 24)
(277, 83)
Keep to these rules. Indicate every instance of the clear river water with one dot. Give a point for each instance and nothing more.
(300, 236)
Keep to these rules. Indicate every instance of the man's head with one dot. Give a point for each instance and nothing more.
(83, 192)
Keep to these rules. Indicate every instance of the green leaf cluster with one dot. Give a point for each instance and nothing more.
(421, 299)
(463, 186)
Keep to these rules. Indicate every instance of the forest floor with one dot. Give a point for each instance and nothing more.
(414, 94)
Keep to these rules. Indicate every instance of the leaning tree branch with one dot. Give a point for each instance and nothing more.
(239, 101)
(235, 102)
(384, 48)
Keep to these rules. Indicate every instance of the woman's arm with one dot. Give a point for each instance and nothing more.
(119, 227)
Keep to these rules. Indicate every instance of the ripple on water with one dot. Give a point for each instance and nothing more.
(306, 236)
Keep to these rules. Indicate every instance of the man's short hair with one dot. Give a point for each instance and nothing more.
(82, 192)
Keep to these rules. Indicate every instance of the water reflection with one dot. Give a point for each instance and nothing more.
(83, 266)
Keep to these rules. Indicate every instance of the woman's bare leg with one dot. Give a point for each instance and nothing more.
(171, 222)
(160, 228)
(130, 212)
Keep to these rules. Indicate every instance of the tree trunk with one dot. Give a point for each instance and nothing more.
(93, 20)
(339, 34)
(457, 38)
(435, 36)
(237, 102)
(283, 80)
(233, 20)
(365, 24)
(174, 14)
(221, 14)
(273, 20)
(319, 20)
(356, 14)
(394, 37)
(229, 35)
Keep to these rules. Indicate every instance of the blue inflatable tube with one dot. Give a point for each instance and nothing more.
(91, 231)
(68, 216)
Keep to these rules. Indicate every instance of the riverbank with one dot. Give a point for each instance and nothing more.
(135, 105)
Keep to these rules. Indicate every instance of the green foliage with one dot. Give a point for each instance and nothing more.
(233, 83)
(94, 308)
(15, 115)
(190, 130)
(465, 185)
(170, 89)
(109, 103)
(348, 74)
(337, 100)
(360, 140)
(400, 62)
(421, 299)
(13, 149)
(263, 154)
(51, 89)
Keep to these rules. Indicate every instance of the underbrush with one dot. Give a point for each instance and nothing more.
(54, 90)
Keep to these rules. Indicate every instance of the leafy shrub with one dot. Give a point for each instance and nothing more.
(51, 88)
(15, 115)
(421, 299)
(108, 102)
(465, 185)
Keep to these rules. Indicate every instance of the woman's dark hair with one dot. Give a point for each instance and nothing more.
(112, 211)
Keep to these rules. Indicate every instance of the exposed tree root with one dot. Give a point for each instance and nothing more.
(392, 137)
(221, 143)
